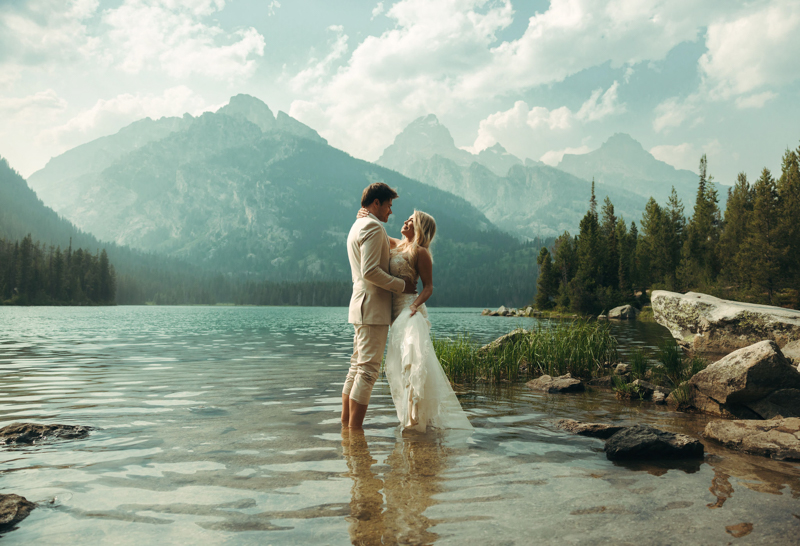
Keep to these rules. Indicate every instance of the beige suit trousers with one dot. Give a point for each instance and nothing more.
(369, 342)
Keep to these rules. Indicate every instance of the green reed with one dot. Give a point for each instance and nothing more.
(581, 348)
(674, 367)
(638, 362)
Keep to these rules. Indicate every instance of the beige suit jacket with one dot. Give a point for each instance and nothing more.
(368, 250)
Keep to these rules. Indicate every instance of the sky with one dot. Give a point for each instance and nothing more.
(542, 78)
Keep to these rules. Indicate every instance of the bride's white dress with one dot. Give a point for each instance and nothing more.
(420, 389)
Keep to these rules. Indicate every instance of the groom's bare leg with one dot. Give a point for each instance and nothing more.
(357, 414)
(345, 410)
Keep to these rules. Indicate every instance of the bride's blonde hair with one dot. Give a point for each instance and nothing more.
(424, 232)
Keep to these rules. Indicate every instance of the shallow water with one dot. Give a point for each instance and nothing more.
(221, 425)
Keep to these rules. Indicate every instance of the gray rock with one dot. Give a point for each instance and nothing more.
(502, 311)
(485, 312)
(792, 351)
(622, 369)
(13, 509)
(512, 337)
(776, 438)
(602, 317)
(781, 403)
(646, 442)
(33, 433)
(595, 430)
(561, 384)
(604, 382)
(623, 312)
(708, 324)
(659, 398)
(747, 375)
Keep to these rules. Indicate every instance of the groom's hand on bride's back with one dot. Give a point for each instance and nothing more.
(411, 288)
(362, 213)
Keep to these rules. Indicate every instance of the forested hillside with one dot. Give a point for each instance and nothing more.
(751, 253)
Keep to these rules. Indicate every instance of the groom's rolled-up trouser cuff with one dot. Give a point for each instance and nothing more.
(369, 343)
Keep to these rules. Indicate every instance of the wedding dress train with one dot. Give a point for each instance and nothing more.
(421, 392)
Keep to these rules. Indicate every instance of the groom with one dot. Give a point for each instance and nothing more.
(371, 303)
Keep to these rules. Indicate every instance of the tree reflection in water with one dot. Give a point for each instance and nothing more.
(390, 510)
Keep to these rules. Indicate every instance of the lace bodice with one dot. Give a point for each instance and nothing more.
(400, 266)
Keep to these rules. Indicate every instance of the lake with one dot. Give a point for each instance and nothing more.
(221, 425)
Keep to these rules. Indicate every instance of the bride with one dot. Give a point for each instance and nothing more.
(421, 392)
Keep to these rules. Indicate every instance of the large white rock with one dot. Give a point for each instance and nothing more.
(704, 323)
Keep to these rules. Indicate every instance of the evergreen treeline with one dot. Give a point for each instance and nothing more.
(34, 274)
(750, 254)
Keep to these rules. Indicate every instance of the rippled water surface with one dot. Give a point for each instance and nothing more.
(221, 425)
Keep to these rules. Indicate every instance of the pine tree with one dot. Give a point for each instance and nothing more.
(610, 242)
(699, 264)
(566, 264)
(761, 255)
(734, 230)
(649, 252)
(789, 221)
(547, 285)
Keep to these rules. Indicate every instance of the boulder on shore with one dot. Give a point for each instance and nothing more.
(486, 312)
(776, 438)
(563, 383)
(647, 442)
(595, 430)
(753, 382)
(512, 337)
(33, 433)
(13, 509)
(623, 312)
(502, 311)
(704, 323)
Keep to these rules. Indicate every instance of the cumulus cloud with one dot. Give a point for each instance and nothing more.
(685, 155)
(170, 35)
(524, 130)
(377, 10)
(311, 77)
(443, 56)
(15, 109)
(754, 50)
(108, 116)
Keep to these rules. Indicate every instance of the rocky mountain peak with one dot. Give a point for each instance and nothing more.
(622, 141)
(251, 109)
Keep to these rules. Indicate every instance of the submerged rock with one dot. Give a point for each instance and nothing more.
(13, 509)
(659, 398)
(604, 382)
(745, 384)
(704, 323)
(646, 442)
(776, 438)
(595, 430)
(32, 433)
(623, 312)
(564, 383)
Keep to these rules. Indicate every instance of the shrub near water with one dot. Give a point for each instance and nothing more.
(580, 348)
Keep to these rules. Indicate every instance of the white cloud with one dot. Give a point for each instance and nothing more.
(14, 110)
(686, 155)
(317, 69)
(754, 50)
(554, 157)
(170, 35)
(757, 100)
(108, 116)
(273, 7)
(673, 112)
(377, 10)
(442, 56)
(525, 131)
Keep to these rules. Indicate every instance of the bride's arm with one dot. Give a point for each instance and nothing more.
(362, 212)
(425, 270)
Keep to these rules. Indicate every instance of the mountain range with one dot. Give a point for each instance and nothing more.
(244, 192)
(528, 198)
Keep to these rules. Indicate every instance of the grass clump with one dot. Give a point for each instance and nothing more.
(579, 347)
(675, 369)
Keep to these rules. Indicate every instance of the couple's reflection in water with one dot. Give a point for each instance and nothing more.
(388, 501)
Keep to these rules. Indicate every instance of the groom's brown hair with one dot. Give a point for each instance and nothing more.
(380, 191)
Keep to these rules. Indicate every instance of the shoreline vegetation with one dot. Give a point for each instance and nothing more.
(584, 349)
